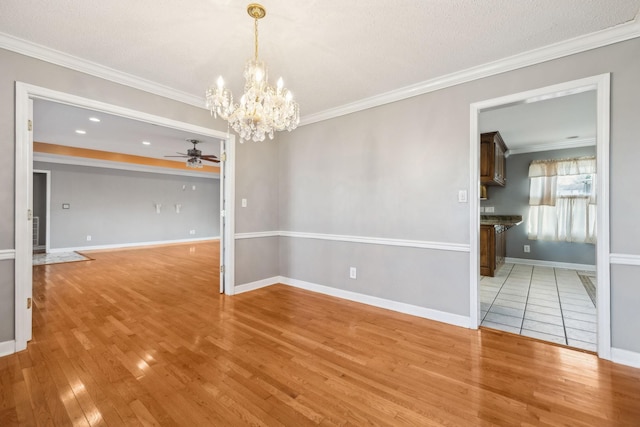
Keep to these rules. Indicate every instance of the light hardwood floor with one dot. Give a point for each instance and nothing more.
(141, 337)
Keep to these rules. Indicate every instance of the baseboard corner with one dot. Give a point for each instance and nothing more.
(252, 286)
(7, 348)
(625, 357)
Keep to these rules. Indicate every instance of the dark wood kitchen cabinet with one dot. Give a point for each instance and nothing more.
(493, 169)
(493, 248)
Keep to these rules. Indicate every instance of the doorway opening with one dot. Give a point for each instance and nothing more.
(41, 211)
(519, 276)
(25, 95)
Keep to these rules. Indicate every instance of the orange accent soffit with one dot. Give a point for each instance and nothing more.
(63, 150)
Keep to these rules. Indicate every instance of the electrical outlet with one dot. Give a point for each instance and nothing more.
(88, 238)
(244, 203)
(192, 231)
(527, 249)
(353, 273)
(489, 209)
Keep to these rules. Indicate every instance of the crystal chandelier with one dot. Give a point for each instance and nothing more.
(263, 109)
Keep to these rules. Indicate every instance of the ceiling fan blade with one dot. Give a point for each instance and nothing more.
(208, 155)
(178, 156)
(210, 160)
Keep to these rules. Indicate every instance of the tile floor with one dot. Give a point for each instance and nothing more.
(539, 302)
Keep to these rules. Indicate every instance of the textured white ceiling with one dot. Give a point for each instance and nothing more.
(329, 52)
(552, 122)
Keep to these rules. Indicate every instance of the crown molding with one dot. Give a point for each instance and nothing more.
(619, 33)
(57, 57)
(548, 146)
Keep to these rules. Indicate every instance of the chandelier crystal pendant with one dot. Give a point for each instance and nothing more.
(263, 109)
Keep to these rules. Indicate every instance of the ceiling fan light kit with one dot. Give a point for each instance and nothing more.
(195, 156)
(263, 109)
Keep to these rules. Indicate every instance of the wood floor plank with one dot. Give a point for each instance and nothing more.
(141, 337)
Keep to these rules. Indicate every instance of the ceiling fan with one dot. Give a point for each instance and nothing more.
(195, 156)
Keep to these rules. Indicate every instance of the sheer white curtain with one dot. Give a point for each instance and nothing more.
(562, 200)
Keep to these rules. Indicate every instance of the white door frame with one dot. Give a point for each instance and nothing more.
(24, 175)
(601, 84)
(47, 225)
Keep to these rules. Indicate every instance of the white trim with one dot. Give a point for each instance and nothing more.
(619, 33)
(601, 84)
(57, 57)
(97, 163)
(7, 254)
(474, 218)
(414, 310)
(229, 190)
(624, 259)
(23, 175)
(131, 245)
(625, 357)
(7, 348)
(247, 287)
(554, 264)
(557, 145)
(22, 223)
(603, 228)
(442, 246)
(257, 235)
(456, 247)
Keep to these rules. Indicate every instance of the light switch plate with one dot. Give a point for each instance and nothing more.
(462, 196)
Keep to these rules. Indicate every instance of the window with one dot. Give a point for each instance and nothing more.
(562, 200)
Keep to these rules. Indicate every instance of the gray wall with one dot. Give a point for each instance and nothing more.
(257, 181)
(513, 199)
(40, 205)
(394, 171)
(117, 206)
(7, 314)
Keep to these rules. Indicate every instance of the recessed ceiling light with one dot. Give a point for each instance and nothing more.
(94, 119)
(80, 131)
(146, 142)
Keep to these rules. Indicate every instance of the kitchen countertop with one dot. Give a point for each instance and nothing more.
(506, 220)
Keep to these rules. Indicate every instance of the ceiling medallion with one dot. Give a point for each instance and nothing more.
(263, 109)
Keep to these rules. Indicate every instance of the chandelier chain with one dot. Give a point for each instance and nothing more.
(255, 53)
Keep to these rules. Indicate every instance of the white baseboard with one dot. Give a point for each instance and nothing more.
(131, 245)
(7, 348)
(414, 310)
(554, 264)
(625, 357)
(256, 285)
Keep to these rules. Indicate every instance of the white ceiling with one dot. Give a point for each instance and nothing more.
(330, 53)
(550, 123)
(56, 123)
